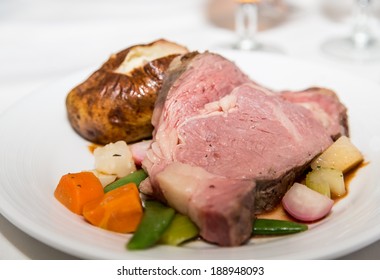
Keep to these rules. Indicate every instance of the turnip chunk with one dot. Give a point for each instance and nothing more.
(105, 179)
(138, 150)
(305, 204)
(341, 155)
(114, 159)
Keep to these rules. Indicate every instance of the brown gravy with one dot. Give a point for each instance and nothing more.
(92, 147)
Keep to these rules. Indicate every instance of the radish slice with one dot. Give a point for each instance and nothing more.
(306, 204)
(138, 150)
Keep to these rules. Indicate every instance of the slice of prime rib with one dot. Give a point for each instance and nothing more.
(225, 149)
(325, 106)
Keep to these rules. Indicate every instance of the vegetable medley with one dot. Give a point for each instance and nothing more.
(108, 196)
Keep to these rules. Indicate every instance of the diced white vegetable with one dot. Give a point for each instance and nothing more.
(138, 150)
(316, 182)
(341, 155)
(332, 178)
(114, 158)
(305, 204)
(105, 179)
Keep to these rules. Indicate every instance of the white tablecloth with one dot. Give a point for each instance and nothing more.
(44, 40)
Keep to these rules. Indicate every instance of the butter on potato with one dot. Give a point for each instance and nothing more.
(138, 56)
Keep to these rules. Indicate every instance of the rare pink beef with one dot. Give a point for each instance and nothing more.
(224, 148)
(325, 106)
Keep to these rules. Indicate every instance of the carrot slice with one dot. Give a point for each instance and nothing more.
(119, 210)
(74, 190)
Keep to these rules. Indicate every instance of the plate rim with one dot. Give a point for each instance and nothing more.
(28, 229)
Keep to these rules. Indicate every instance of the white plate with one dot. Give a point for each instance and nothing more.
(37, 146)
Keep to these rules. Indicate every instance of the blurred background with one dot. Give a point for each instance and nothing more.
(42, 41)
(46, 39)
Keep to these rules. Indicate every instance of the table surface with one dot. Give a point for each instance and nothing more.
(44, 40)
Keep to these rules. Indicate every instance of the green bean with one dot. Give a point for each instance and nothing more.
(181, 229)
(276, 227)
(156, 219)
(135, 177)
(161, 224)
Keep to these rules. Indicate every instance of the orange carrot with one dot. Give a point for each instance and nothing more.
(119, 210)
(76, 189)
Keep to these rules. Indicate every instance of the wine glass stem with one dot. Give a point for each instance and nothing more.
(246, 25)
(361, 31)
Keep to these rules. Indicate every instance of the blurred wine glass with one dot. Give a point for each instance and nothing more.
(361, 44)
(246, 21)
(246, 27)
(247, 18)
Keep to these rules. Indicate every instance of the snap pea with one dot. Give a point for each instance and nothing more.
(181, 229)
(276, 227)
(161, 224)
(135, 177)
(156, 219)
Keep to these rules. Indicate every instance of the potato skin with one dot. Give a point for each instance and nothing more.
(110, 106)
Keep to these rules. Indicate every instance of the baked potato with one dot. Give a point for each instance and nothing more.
(116, 102)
